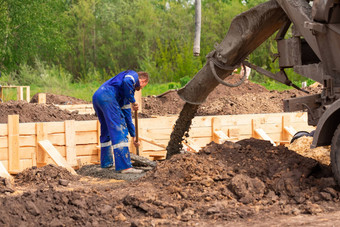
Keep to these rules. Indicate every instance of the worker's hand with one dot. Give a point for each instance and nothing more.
(135, 106)
(137, 144)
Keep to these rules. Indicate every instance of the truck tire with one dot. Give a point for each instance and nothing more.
(335, 155)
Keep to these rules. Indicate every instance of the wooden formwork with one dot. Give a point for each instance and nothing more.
(85, 108)
(20, 92)
(69, 143)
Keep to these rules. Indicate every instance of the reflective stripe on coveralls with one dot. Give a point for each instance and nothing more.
(134, 82)
(120, 145)
(126, 106)
(107, 144)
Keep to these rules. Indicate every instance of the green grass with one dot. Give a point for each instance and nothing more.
(273, 85)
(44, 79)
(85, 91)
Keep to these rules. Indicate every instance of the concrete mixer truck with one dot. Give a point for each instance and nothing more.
(311, 49)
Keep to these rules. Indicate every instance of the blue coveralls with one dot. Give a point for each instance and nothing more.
(112, 105)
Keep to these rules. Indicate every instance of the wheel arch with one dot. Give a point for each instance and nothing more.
(327, 125)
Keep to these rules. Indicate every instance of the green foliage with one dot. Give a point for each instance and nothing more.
(184, 80)
(157, 89)
(52, 44)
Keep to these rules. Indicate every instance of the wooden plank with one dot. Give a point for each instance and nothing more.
(26, 152)
(89, 159)
(233, 132)
(3, 130)
(34, 159)
(220, 137)
(152, 142)
(55, 155)
(27, 141)
(20, 93)
(87, 149)
(84, 126)
(42, 98)
(290, 130)
(263, 135)
(3, 141)
(57, 139)
(81, 108)
(55, 127)
(191, 145)
(27, 129)
(70, 136)
(41, 129)
(28, 93)
(98, 140)
(4, 173)
(86, 137)
(13, 143)
(157, 123)
(4, 154)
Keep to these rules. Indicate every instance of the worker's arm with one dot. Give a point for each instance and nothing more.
(129, 88)
(126, 109)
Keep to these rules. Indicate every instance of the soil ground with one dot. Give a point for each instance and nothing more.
(249, 98)
(245, 183)
(248, 183)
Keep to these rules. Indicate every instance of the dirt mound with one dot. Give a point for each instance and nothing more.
(248, 98)
(227, 183)
(302, 146)
(59, 99)
(238, 181)
(32, 112)
(6, 186)
(47, 175)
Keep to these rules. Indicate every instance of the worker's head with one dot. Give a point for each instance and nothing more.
(143, 80)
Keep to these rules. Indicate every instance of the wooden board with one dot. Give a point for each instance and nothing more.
(80, 139)
(55, 155)
(4, 173)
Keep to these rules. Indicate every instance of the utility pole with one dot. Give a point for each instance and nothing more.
(197, 40)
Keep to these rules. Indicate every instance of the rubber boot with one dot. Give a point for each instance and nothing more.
(106, 158)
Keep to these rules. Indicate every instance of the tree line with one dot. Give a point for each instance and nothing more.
(104, 37)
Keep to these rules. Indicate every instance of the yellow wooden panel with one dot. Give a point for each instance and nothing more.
(55, 127)
(3, 154)
(162, 122)
(3, 141)
(57, 138)
(61, 150)
(148, 146)
(201, 142)
(27, 141)
(25, 163)
(82, 126)
(88, 159)
(86, 150)
(70, 142)
(3, 130)
(27, 129)
(156, 133)
(26, 152)
(13, 142)
(86, 137)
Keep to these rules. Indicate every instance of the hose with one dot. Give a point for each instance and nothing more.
(212, 67)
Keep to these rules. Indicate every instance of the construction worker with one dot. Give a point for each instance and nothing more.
(112, 103)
